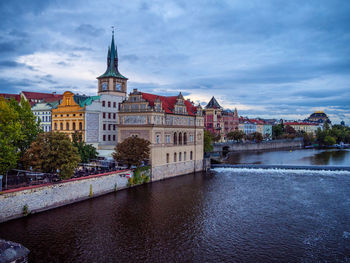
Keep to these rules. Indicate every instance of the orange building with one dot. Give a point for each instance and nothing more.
(70, 114)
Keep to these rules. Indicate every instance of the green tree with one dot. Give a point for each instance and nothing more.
(208, 142)
(10, 135)
(236, 135)
(52, 151)
(329, 140)
(132, 151)
(277, 131)
(29, 127)
(309, 139)
(289, 129)
(87, 152)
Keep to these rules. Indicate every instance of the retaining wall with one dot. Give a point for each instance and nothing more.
(44, 197)
(269, 145)
(175, 169)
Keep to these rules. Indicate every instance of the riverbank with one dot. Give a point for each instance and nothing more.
(20, 202)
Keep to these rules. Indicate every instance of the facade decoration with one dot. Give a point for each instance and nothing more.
(173, 125)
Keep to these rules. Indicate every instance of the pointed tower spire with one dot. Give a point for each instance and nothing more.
(213, 104)
(112, 61)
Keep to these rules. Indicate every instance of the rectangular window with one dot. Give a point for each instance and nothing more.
(104, 138)
(104, 115)
(109, 137)
(104, 127)
(114, 127)
(191, 155)
(167, 158)
(109, 104)
(109, 115)
(109, 126)
(114, 115)
(103, 104)
(184, 156)
(113, 137)
(114, 104)
(179, 157)
(174, 157)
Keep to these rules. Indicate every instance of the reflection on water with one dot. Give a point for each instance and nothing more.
(294, 157)
(223, 216)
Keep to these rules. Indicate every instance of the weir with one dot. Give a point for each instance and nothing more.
(282, 166)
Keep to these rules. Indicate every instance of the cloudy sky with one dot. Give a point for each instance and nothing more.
(267, 58)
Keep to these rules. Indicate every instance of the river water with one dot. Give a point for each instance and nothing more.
(226, 215)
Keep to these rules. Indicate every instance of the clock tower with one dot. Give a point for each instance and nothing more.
(112, 82)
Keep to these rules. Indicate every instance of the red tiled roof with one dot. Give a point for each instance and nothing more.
(51, 99)
(168, 103)
(40, 95)
(299, 123)
(9, 96)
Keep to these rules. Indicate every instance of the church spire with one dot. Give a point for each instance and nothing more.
(112, 62)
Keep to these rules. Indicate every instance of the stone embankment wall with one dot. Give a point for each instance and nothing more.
(265, 145)
(175, 169)
(15, 203)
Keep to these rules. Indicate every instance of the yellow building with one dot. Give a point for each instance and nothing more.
(69, 116)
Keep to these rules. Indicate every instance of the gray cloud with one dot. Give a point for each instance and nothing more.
(287, 57)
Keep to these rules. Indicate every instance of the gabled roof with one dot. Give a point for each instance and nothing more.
(168, 103)
(40, 95)
(213, 104)
(9, 96)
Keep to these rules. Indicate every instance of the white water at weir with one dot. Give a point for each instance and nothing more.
(282, 171)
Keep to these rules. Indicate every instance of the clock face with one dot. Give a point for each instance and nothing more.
(118, 86)
(104, 86)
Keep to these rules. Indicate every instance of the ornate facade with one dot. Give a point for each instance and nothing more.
(173, 125)
(219, 121)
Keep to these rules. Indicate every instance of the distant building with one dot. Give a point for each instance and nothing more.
(173, 125)
(305, 127)
(319, 117)
(219, 121)
(43, 112)
(247, 126)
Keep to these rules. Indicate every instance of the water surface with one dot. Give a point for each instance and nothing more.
(222, 216)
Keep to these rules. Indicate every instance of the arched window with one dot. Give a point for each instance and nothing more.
(61, 126)
(67, 126)
(74, 126)
(55, 125)
(180, 138)
(185, 138)
(191, 155)
(175, 138)
(174, 157)
(80, 126)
